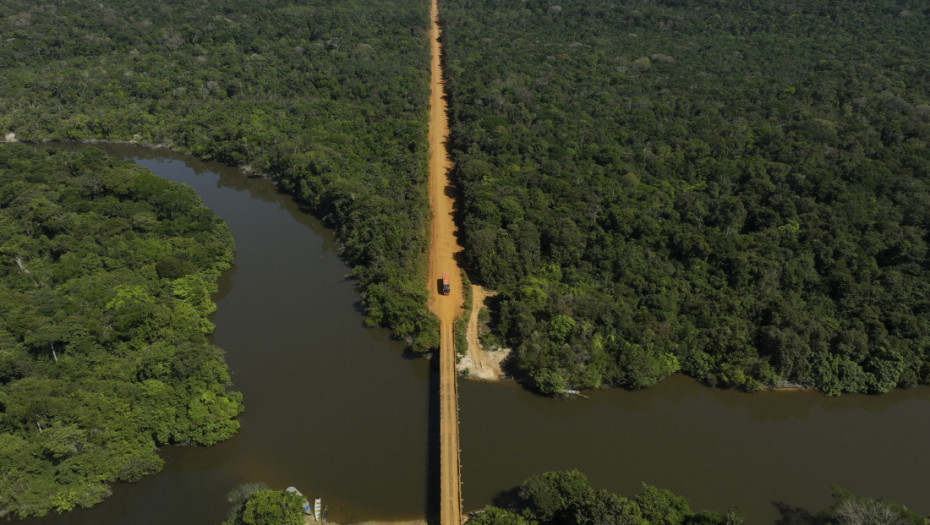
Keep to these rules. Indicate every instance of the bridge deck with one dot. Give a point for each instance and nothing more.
(451, 489)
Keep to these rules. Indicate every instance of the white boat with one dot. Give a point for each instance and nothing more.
(317, 503)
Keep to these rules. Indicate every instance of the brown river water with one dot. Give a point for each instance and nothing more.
(338, 411)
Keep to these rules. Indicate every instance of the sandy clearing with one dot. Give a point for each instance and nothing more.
(481, 365)
(308, 520)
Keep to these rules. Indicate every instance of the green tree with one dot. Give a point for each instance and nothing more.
(553, 497)
(849, 509)
(566, 497)
(269, 507)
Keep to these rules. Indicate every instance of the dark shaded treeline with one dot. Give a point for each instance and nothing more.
(738, 190)
(106, 273)
(329, 99)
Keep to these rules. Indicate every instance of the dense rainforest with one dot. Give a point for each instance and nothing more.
(735, 189)
(328, 98)
(106, 273)
(567, 498)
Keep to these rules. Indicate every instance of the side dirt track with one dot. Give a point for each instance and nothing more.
(480, 364)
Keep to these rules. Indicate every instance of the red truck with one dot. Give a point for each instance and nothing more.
(446, 289)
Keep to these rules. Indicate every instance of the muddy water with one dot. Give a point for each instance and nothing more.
(717, 448)
(336, 410)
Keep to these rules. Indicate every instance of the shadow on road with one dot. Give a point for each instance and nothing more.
(433, 470)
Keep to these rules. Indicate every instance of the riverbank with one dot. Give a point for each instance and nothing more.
(788, 386)
(167, 146)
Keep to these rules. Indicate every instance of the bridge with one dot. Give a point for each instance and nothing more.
(450, 469)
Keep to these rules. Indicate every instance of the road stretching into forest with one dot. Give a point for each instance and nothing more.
(443, 247)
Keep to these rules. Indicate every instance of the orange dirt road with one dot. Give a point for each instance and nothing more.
(443, 247)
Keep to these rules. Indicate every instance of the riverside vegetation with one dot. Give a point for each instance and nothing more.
(328, 98)
(105, 286)
(566, 497)
(737, 190)
(257, 504)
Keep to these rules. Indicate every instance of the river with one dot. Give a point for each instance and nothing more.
(338, 410)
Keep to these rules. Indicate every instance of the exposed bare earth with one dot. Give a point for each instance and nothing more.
(482, 365)
(308, 520)
(443, 247)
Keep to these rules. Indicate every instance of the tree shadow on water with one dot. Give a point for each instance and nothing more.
(791, 515)
(509, 499)
(433, 471)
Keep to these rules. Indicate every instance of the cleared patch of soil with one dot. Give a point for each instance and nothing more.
(481, 364)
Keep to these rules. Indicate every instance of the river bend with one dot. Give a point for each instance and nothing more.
(336, 410)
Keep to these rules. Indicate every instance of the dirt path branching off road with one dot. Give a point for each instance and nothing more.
(480, 364)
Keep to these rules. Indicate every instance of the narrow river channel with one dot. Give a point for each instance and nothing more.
(336, 410)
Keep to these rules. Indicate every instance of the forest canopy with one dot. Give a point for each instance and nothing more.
(737, 190)
(566, 498)
(328, 98)
(106, 273)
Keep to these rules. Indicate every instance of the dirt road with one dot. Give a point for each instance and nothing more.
(443, 247)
